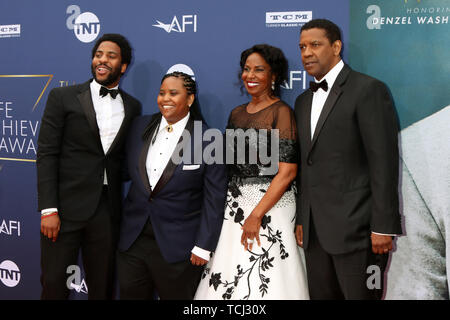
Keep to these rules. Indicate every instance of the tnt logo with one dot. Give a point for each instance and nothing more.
(9, 273)
(10, 227)
(86, 26)
(176, 26)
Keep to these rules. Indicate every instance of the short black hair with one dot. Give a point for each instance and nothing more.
(332, 31)
(275, 59)
(188, 82)
(121, 41)
(191, 88)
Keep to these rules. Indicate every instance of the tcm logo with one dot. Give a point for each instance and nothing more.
(182, 68)
(186, 21)
(10, 227)
(86, 26)
(10, 31)
(9, 273)
(287, 18)
(74, 281)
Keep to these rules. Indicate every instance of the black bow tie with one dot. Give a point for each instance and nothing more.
(113, 92)
(314, 86)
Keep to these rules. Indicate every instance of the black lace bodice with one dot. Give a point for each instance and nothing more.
(257, 130)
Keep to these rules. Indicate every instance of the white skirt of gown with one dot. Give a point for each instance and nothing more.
(274, 271)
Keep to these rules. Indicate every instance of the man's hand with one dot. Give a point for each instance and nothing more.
(197, 261)
(50, 227)
(381, 244)
(299, 235)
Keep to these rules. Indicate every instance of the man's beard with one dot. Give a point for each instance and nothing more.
(113, 76)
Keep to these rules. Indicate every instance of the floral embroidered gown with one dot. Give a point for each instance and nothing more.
(276, 269)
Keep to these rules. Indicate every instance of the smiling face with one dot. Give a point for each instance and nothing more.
(173, 100)
(107, 66)
(257, 76)
(318, 55)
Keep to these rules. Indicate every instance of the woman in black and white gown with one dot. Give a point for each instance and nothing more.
(257, 256)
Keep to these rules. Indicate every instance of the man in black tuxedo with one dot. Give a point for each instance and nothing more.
(79, 159)
(347, 210)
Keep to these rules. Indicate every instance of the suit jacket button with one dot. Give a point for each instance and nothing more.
(310, 162)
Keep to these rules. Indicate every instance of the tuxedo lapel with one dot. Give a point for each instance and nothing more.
(152, 126)
(88, 107)
(334, 94)
(170, 167)
(307, 118)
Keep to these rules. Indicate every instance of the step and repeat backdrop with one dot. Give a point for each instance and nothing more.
(405, 43)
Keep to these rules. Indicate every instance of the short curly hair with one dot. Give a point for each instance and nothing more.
(332, 31)
(188, 82)
(275, 59)
(121, 41)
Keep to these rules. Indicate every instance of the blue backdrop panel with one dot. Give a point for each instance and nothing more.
(41, 47)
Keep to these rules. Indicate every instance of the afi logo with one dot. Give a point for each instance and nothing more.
(86, 26)
(74, 281)
(295, 76)
(9, 273)
(176, 26)
(10, 227)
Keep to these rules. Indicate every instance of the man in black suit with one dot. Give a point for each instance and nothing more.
(347, 210)
(79, 158)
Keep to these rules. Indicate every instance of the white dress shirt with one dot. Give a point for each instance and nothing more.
(320, 96)
(109, 113)
(159, 154)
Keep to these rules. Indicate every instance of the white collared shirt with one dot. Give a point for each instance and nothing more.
(159, 154)
(320, 96)
(109, 113)
(161, 149)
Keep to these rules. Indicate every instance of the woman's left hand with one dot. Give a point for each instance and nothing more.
(250, 231)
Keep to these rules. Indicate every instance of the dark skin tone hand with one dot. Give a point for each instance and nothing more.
(250, 228)
(381, 244)
(50, 227)
(197, 261)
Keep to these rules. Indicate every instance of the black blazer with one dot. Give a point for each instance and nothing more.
(349, 171)
(70, 158)
(187, 204)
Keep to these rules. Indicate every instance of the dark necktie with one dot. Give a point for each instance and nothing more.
(314, 86)
(104, 91)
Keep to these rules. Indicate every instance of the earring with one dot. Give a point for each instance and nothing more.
(273, 85)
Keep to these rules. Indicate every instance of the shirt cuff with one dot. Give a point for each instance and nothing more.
(49, 210)
(202, 253)
(385, 234)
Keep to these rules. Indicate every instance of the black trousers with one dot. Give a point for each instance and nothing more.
(356, 275)
(145, 275)
(97, 239)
